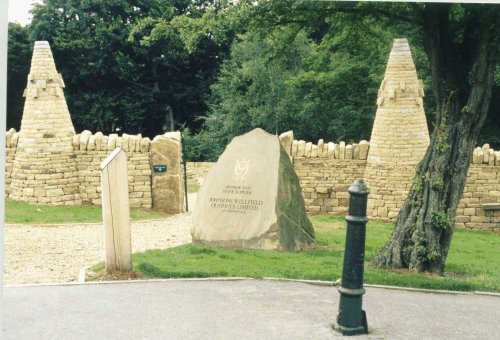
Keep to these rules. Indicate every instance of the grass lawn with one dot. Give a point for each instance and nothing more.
(24, 213)
(473, 262)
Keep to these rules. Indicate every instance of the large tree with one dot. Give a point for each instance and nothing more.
(314, 72)
(462, 43)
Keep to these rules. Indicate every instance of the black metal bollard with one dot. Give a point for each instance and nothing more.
(351, 319)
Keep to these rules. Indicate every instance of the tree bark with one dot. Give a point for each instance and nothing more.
(463, 73)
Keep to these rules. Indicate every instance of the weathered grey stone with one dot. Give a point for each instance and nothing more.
(252, 198)
(286, 139)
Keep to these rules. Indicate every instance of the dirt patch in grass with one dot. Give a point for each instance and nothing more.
(114, 275)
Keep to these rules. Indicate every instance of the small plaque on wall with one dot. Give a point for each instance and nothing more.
(158, 168)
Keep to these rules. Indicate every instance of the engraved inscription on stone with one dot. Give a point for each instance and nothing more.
(251, 198)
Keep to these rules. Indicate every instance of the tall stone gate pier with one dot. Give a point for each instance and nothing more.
(44, 168)
(400, 136)
(46, 162)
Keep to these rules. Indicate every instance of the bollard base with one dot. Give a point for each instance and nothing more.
(358, 330)
(349, 331)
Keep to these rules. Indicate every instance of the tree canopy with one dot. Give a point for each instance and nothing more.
(220, 68)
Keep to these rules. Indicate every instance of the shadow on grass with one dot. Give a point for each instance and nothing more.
(153, 271)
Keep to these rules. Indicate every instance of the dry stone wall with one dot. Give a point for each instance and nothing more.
(479, 207)
(91, 150)
(324, 182)
(197, 171)
(399, 137)
(47, 163)
(44, 165)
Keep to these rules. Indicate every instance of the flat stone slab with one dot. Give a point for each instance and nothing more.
(252, 198)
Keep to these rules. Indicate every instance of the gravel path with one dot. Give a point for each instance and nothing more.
(56, 253)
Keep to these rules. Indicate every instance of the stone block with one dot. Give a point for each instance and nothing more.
(342, 150)
(348, 152)
(53, 193)
(314, 151)
(126, 142)
(145, 144)
(355, 151)
(308, 149)
(239, 207)
(112, 141)
(98, 140)
(84, 139)
(91, 145)
(286, 139)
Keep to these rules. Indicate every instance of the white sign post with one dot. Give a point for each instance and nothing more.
(115, 211)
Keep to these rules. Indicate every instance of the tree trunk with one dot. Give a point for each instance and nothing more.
(462, 73)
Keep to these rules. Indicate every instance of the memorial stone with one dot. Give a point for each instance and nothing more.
(252, 198)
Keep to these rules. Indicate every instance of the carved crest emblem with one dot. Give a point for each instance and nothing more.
(241, 168)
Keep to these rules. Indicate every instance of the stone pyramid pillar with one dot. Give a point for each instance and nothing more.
(400, 136)
(44, 169)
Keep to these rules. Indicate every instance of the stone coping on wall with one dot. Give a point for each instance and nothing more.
(485, 155)
(98, 141)
(129, 143)
(341, 150)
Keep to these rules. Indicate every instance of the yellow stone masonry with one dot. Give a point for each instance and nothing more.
(387, 163)
(46, 162)
(44, 166)
(399, 136)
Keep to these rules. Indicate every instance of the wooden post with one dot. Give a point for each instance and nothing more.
(115, 211)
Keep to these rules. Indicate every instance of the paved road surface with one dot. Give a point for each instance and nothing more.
(245, 309)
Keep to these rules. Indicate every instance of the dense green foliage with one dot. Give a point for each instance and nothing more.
(125, 64)
(472, 263)
(18, 64)
(220, 69)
